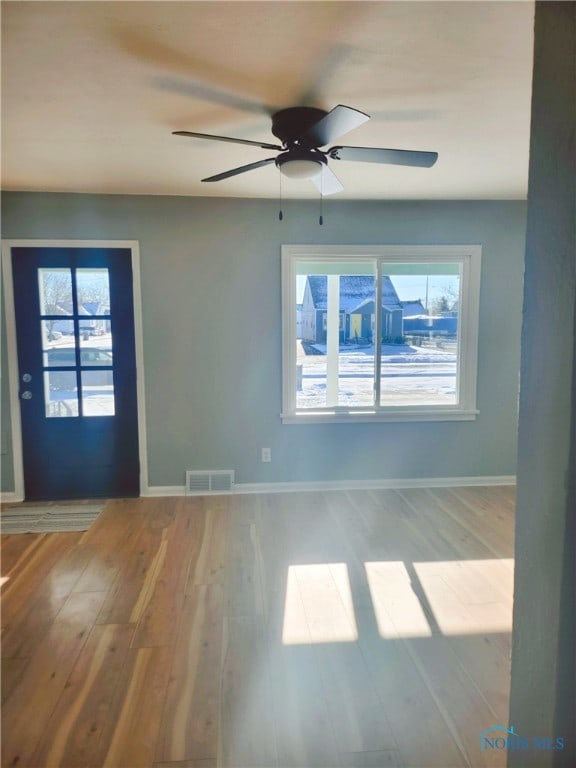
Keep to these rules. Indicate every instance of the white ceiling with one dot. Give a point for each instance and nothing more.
(92, 90)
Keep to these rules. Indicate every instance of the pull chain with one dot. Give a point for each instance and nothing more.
(321, 219)
(280, 214)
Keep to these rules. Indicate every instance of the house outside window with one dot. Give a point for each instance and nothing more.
(387, 333)
(341, 322)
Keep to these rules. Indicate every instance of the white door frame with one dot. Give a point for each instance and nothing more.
(12, 350)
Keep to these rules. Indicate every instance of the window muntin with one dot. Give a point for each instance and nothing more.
(425, 367)
(77, 345)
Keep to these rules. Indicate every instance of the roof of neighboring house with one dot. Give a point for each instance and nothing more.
(94, 307)
(86, 308)
(413, 307)
(366, 307)
(354, 291)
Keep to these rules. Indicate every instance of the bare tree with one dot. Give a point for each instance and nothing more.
(55, 297)
(446, 300)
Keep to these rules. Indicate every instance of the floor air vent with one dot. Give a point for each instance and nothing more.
(209, 481)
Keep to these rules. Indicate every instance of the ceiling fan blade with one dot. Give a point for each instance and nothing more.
(198, 90)
(327, 182)
(387, 156)
(241, 169)
(261, 144)
(205, 78)
(338, 121)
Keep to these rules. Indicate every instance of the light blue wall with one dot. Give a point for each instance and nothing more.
(211, 307)
(543, 686)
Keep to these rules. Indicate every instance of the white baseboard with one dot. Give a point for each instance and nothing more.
(163, 490)
(9, 497)
(345, 485)
(154, 491)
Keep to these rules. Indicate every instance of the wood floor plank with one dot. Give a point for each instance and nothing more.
(29, 578)
(390, 536)
(100, 572)
(28, 627)
(109, 540)
(358, 716)
(486, 658)
(446, 539)
(159, 612)
(246, 726)
(464, 710)
(141, 691)
(498, 540)
(73, 736)
(304, 731)
(409, 705)
(28, 709)
(12, 671)
(132, 582)
(81, 608)
(489, 578)
(243, 584)
(17, 548)
(209, 564)
(28, 621)
(356, 540)
(189, 723)
(272, 527)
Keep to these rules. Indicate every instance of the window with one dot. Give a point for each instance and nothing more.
(377, 333)
(75, 326)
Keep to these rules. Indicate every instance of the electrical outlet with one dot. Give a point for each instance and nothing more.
(266, 455)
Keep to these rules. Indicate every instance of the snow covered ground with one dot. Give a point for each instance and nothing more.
(410, 375)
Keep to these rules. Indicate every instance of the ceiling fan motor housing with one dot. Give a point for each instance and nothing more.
(290, 124)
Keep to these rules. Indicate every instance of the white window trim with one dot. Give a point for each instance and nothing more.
(469, 256)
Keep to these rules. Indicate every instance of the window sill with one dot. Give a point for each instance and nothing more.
(406, 415)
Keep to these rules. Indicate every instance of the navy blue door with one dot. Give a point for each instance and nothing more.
(77, 372)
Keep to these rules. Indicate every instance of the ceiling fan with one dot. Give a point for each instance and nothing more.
(302, 131)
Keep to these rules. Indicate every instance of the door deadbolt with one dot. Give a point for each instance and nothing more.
(26, 377)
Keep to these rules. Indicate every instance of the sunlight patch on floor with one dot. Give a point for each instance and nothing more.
(410, 600)
(469, 597)
(397, 608)
(319, 606)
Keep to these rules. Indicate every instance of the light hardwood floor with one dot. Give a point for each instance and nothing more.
(356, 629)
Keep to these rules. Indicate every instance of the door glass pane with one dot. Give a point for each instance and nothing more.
(61, 396)
(98, 393)
(55, 291)
(97, 349)
(93, 292)
(58, 345)
(419, 335)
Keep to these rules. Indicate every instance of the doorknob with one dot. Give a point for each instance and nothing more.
(26, 395)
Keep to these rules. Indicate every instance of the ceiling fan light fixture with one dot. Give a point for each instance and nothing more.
(301, 163)
(301, 169)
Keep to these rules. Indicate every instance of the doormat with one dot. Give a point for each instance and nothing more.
(49, 519)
